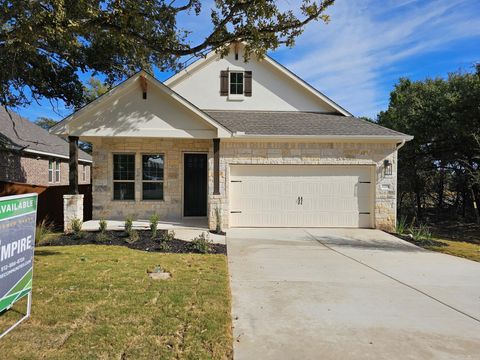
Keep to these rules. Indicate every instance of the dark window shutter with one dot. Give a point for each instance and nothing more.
(223, 83)
(248, 83)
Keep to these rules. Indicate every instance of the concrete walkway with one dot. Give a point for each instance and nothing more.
(349, 294)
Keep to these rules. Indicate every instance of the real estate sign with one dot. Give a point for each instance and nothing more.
(17, 240)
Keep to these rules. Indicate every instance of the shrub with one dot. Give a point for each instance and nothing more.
(421, 233)
(154, 224)
(168, 236)
(133, 236)
(102, 226)
(128, 225)
(102, 237)
(202, 244)
(401, 227)
(76, 227)
(42, 231)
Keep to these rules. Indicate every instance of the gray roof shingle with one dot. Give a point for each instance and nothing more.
(298, 123)
(32, 137)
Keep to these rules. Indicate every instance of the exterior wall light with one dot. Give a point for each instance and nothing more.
(387, 167)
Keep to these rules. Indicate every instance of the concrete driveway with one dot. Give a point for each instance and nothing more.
(349, 294)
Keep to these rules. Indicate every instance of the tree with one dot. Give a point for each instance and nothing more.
(45, 44)
(440, 167)
(45, 122)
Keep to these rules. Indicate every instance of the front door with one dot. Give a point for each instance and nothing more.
(195, 185)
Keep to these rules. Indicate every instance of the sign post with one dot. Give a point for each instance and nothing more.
(18, 215)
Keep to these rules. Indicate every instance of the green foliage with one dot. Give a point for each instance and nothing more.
(129, 225)
(47, 45)
(102, 237)
(439, 169)
(401, 226)
(45, 123)
(76, 227)
(154, 224)
(168, 236)
(421, 233)
(202, 244)
(133, 236)
(94, 89)
(42, 231)
(102, 225)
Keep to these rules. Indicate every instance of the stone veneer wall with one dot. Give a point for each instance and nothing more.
(172, 149)
(344, 153)
(231, 152)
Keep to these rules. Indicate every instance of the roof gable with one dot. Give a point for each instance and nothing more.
(274, 86)
(123, 112)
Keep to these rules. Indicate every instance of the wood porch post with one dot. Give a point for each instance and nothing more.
(73, 165)
(216, 166)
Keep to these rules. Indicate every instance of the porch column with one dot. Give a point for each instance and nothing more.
(73, 165)
(72, 202)
(216, 166)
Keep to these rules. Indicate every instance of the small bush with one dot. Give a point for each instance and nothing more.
(154, 224)
(128, 225)
(164, 246)
(421, 233)
(202, 244)
(76, 227)
(42, 231)
(102, 225)
(102, 237)
(401, 227)
(133, 236)
(168, 236)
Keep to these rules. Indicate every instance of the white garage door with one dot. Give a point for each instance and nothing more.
(301, 196)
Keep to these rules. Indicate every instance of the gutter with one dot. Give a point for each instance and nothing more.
(53, 155)
(403, 139)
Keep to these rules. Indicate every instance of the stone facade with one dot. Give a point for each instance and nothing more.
(232, 152)
(32, 169)
(72, 209)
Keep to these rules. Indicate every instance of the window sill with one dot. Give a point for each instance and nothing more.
(234, 97)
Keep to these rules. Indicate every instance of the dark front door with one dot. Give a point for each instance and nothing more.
(195, 185)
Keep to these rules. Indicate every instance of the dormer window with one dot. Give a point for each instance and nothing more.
(236, 83)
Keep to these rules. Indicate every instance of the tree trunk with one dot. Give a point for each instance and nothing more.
(475, 205)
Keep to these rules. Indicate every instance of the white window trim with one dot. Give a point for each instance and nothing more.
(236, 97)
(58, 165)
(51, 171)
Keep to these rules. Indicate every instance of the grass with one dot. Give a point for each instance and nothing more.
(458, 248)
(96, 302)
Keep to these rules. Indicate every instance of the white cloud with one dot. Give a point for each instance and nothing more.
(366, 41)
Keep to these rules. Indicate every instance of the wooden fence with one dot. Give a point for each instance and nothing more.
(50, 199)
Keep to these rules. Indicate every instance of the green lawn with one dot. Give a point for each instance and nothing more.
(458, 248)
(96, 302)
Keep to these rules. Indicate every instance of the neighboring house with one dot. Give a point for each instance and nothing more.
(249, 142)
(31, 155)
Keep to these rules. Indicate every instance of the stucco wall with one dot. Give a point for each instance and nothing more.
(232, 152)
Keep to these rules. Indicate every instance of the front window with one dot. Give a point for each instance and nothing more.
(236, 83)
(152, 177)
(123, 177)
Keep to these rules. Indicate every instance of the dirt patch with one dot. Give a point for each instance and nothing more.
(457, 231)
(422, 243)
(145, 242)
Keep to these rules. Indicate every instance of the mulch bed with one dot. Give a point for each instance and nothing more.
(144, 242)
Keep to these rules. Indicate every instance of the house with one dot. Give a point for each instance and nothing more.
(31, 155)
(247, 144)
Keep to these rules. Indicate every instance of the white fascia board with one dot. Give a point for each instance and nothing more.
(44, 153)
(376, 138)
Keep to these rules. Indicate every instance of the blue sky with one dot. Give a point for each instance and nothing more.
(368, 45)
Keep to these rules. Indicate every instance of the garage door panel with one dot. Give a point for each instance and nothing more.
(268, 195)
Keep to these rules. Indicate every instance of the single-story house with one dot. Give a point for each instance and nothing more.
(248, 144)
(31, 155)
